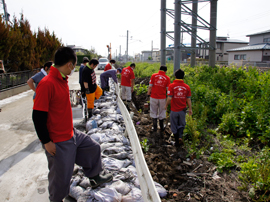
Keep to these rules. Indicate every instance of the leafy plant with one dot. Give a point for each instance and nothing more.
(256, 173)
(223, 160)
(145, 145)
(140, 89)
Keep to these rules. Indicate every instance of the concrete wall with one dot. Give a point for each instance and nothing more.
(14, 91)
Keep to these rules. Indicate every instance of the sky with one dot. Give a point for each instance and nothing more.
(94, 24)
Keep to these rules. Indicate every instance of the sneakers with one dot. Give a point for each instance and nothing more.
(100, 179)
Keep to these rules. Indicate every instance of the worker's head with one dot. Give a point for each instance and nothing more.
(119, 70)
(163, 68)
(112, 61)
(47, 66)
(85, 60)
(132, 65)
(93, 63)
(179, 74)
(65, 59)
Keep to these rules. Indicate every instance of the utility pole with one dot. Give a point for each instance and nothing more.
(212, 41)
(152, 51)
(177, 35)
(127, 46)
(163, 33)
(109, 51)
(194, 33)
(6, 14)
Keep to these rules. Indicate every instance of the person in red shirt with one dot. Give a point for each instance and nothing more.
(127, 84)
(178, 95)
(158, 85)
(64, 145)
(109, 65)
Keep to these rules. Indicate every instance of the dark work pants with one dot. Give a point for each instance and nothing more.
(178, 122)
(80, 149)
(104, 81)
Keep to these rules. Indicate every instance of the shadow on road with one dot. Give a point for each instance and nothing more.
(9, 162)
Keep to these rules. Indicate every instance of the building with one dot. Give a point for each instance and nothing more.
(78, 49)
(146, 55)
(257, 53)
(222, 45)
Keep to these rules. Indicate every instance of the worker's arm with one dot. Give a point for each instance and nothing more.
(189, 106)
(149, 90)
(168, 102)
(30, 83)
(40, 122)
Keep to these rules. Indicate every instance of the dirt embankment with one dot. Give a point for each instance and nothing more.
(185, 179)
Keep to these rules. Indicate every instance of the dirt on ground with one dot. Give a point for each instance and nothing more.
(186, 178)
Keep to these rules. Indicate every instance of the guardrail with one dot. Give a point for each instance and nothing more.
(148, 188)
(9, 80)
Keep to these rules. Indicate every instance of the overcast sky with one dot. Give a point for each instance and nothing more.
(97, 23)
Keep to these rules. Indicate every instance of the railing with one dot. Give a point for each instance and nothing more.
(9, 80)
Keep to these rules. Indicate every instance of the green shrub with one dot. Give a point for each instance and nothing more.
(229, 124)
(256, 173)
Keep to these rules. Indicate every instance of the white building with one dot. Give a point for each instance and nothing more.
(257, 53)
(222, 45)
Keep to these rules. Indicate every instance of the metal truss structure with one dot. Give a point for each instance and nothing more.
(180, 27)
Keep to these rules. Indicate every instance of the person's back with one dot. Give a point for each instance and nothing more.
(158, 85)
(126, 75)
(160, 82)
(181, 92)
(109, 65)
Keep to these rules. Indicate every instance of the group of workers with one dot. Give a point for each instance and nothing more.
(178, 96)
(52, 114)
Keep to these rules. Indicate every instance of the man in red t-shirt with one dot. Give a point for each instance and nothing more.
(109, 65)
(64, 146)
(127, 84)
(158, 85)
(178, 95)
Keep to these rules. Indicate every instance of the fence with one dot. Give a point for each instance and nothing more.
(10, 80)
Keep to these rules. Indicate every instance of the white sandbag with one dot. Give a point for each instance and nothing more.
(93, 130)
(107, 124)
(76, 191)
(113, 144)
(98, 136)
(121, 187)
(161, 190)
(115, 164)
(134, 195)
(85, 183)
(91, 124)
(102, 195)
(124, 175)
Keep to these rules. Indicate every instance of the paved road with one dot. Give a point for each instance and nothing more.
(23, 165)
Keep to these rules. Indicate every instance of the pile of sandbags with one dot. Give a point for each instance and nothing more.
(107, 127)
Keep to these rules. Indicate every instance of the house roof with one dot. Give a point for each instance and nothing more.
(264, 32)
(264, 46)
(227, 40)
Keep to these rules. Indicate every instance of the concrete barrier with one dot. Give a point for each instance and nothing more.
(14, 91)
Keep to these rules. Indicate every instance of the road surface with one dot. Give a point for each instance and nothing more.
(23, 165)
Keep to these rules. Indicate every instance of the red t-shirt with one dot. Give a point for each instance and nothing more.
(107, 67)
(179, 91)
(159, 82)
(126, 75)
(52, 96)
